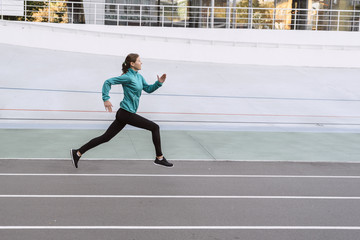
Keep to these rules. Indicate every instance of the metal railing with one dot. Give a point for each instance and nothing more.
(180, 16)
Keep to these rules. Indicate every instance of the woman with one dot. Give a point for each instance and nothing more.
(133, 83)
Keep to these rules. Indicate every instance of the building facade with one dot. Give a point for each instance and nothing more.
(250, 14)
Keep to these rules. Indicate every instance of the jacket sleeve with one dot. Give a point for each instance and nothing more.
(150, 88)
(112, 81)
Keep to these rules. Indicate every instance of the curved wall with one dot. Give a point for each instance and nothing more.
(51, 76)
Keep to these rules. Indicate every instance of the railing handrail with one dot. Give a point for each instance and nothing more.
(195, 7)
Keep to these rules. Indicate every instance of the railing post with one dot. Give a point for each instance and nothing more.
(353, 21)
(338, 23)
(251, 17)
(95, 14)
(172, 16)
(199, 17)
(207, 17)
(49, 12)
(25, 2)
(274, 17)
(317, 20)
(185, 16)
(163, 17)
(72, 13)
(228, 18)
(295, 19)
(140, 14)
(117, 17)
(212, 15)
(235, 23)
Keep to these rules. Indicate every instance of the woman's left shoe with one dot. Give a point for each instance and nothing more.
(163, 162)
(74, 157)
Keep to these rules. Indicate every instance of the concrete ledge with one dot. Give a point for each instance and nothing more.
(260, 47)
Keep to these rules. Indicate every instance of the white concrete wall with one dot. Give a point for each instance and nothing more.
(260, 47)
(241, 80)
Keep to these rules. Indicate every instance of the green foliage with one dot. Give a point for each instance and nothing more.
(41, 11)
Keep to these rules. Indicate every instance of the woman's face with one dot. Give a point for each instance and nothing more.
(136, 65)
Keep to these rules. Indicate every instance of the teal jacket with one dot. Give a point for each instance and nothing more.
(133, 83)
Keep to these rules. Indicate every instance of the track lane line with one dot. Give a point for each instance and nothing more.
(176, 175)
(185, 197)
(182, 227)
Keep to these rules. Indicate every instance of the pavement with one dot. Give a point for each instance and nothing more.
(184, 145)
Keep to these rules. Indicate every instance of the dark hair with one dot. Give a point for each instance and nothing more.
(130, 58)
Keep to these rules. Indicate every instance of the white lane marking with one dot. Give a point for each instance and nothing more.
(126, 159)
(191, 160)
(178, 175)
(185, 227)
(185, 197)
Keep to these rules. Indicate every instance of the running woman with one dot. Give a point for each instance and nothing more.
(133, 83)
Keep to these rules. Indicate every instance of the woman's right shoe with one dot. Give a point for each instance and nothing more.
(163, 162)
(74, 157)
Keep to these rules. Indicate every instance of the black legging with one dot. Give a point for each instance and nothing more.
(124, 117)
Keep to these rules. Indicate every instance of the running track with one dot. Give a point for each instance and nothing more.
(194, 200)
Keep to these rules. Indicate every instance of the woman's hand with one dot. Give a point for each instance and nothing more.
(162, 78)
(108, 106)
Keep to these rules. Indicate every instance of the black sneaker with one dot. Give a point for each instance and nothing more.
(163, 162)
(74, 157)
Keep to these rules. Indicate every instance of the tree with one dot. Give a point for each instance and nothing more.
(41, 11)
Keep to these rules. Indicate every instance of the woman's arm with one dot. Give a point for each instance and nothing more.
(151, 88)
(107, 86)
